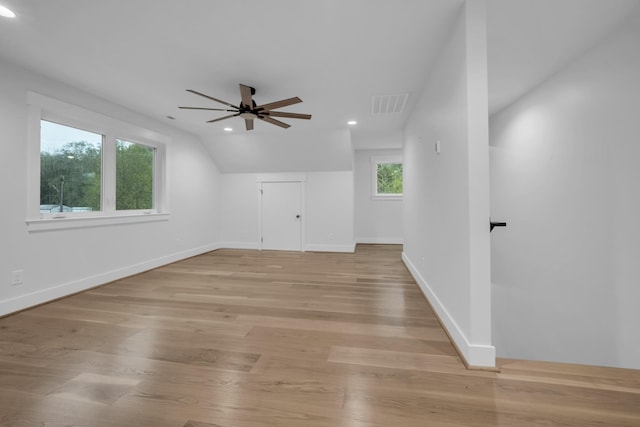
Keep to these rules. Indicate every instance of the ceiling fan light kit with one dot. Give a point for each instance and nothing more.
(250, 111)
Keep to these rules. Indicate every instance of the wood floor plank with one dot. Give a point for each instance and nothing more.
(187, 325)
(21, 409)
(413, 332)
(94, 388)
(30, 378)
(395, 359)
(314, 305)
(192, 423)
(240, 338)
(338, 336)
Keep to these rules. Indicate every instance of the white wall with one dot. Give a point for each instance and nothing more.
(379, 139)
(329, 211)
(446, 200)
(275, 150)
(565, 176)
(328, 217)
(240, 211)
(376, 220)
(60, 262)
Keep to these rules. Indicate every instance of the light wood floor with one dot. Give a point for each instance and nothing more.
(246, 338)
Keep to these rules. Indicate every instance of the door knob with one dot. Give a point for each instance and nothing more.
(298, 216)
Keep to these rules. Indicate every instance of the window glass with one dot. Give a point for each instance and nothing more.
(388, 178)
(70, 169)
(134, 175)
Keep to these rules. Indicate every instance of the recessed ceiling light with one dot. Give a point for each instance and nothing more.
(7, 13)
(228, 129)
(352, 122)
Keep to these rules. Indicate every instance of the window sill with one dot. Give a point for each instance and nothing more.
(66, 223)
(389, 197)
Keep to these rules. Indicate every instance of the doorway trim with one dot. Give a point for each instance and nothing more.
(284, 177)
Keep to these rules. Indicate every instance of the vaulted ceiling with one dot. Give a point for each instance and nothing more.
(334, 54)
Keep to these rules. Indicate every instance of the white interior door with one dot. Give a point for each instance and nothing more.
(282, 216)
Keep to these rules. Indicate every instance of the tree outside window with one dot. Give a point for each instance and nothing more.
(134, 175)
(70, 169)
(386, 177)
(389, 179)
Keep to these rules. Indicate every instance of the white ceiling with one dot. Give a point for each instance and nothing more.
(334, 54)
(529, 40)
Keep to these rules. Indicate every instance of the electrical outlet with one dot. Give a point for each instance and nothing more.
(16, 277)
(331, 236)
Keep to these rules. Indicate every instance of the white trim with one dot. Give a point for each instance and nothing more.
(34, 115)
(65, 289)
(387, 197)
(240, 245)
(303, 215)
(331, 248)
(386, 158)
(260, 192)
(282, 178)
(376, 159)
(380, 240)
(61, 222)
(100, 123)
(476, 355)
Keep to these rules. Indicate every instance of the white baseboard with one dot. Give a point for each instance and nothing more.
(331, 248)
(380, 240)
(475, 355)
(45, 295)
(240, 245)
(309, 247)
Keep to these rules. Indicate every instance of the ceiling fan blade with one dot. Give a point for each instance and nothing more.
(208, 109)
(248, 123)
(289, 115)
(245, 94)
(279, 104)
(223, 118)
(274, 121)
(212, 98)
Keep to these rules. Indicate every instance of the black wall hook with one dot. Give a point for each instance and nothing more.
(494, 224)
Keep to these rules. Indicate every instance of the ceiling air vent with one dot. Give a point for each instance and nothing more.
(388, 104)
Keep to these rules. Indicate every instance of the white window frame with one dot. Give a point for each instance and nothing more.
(375, 161)
(41, 107)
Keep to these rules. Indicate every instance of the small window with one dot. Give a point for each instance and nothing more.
(70, 169)
(134, 175)
(386, 177)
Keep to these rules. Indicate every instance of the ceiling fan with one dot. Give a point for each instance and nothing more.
(249, 110)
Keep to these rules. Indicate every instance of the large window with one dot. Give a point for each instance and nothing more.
(386, 177)
(86, 169)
